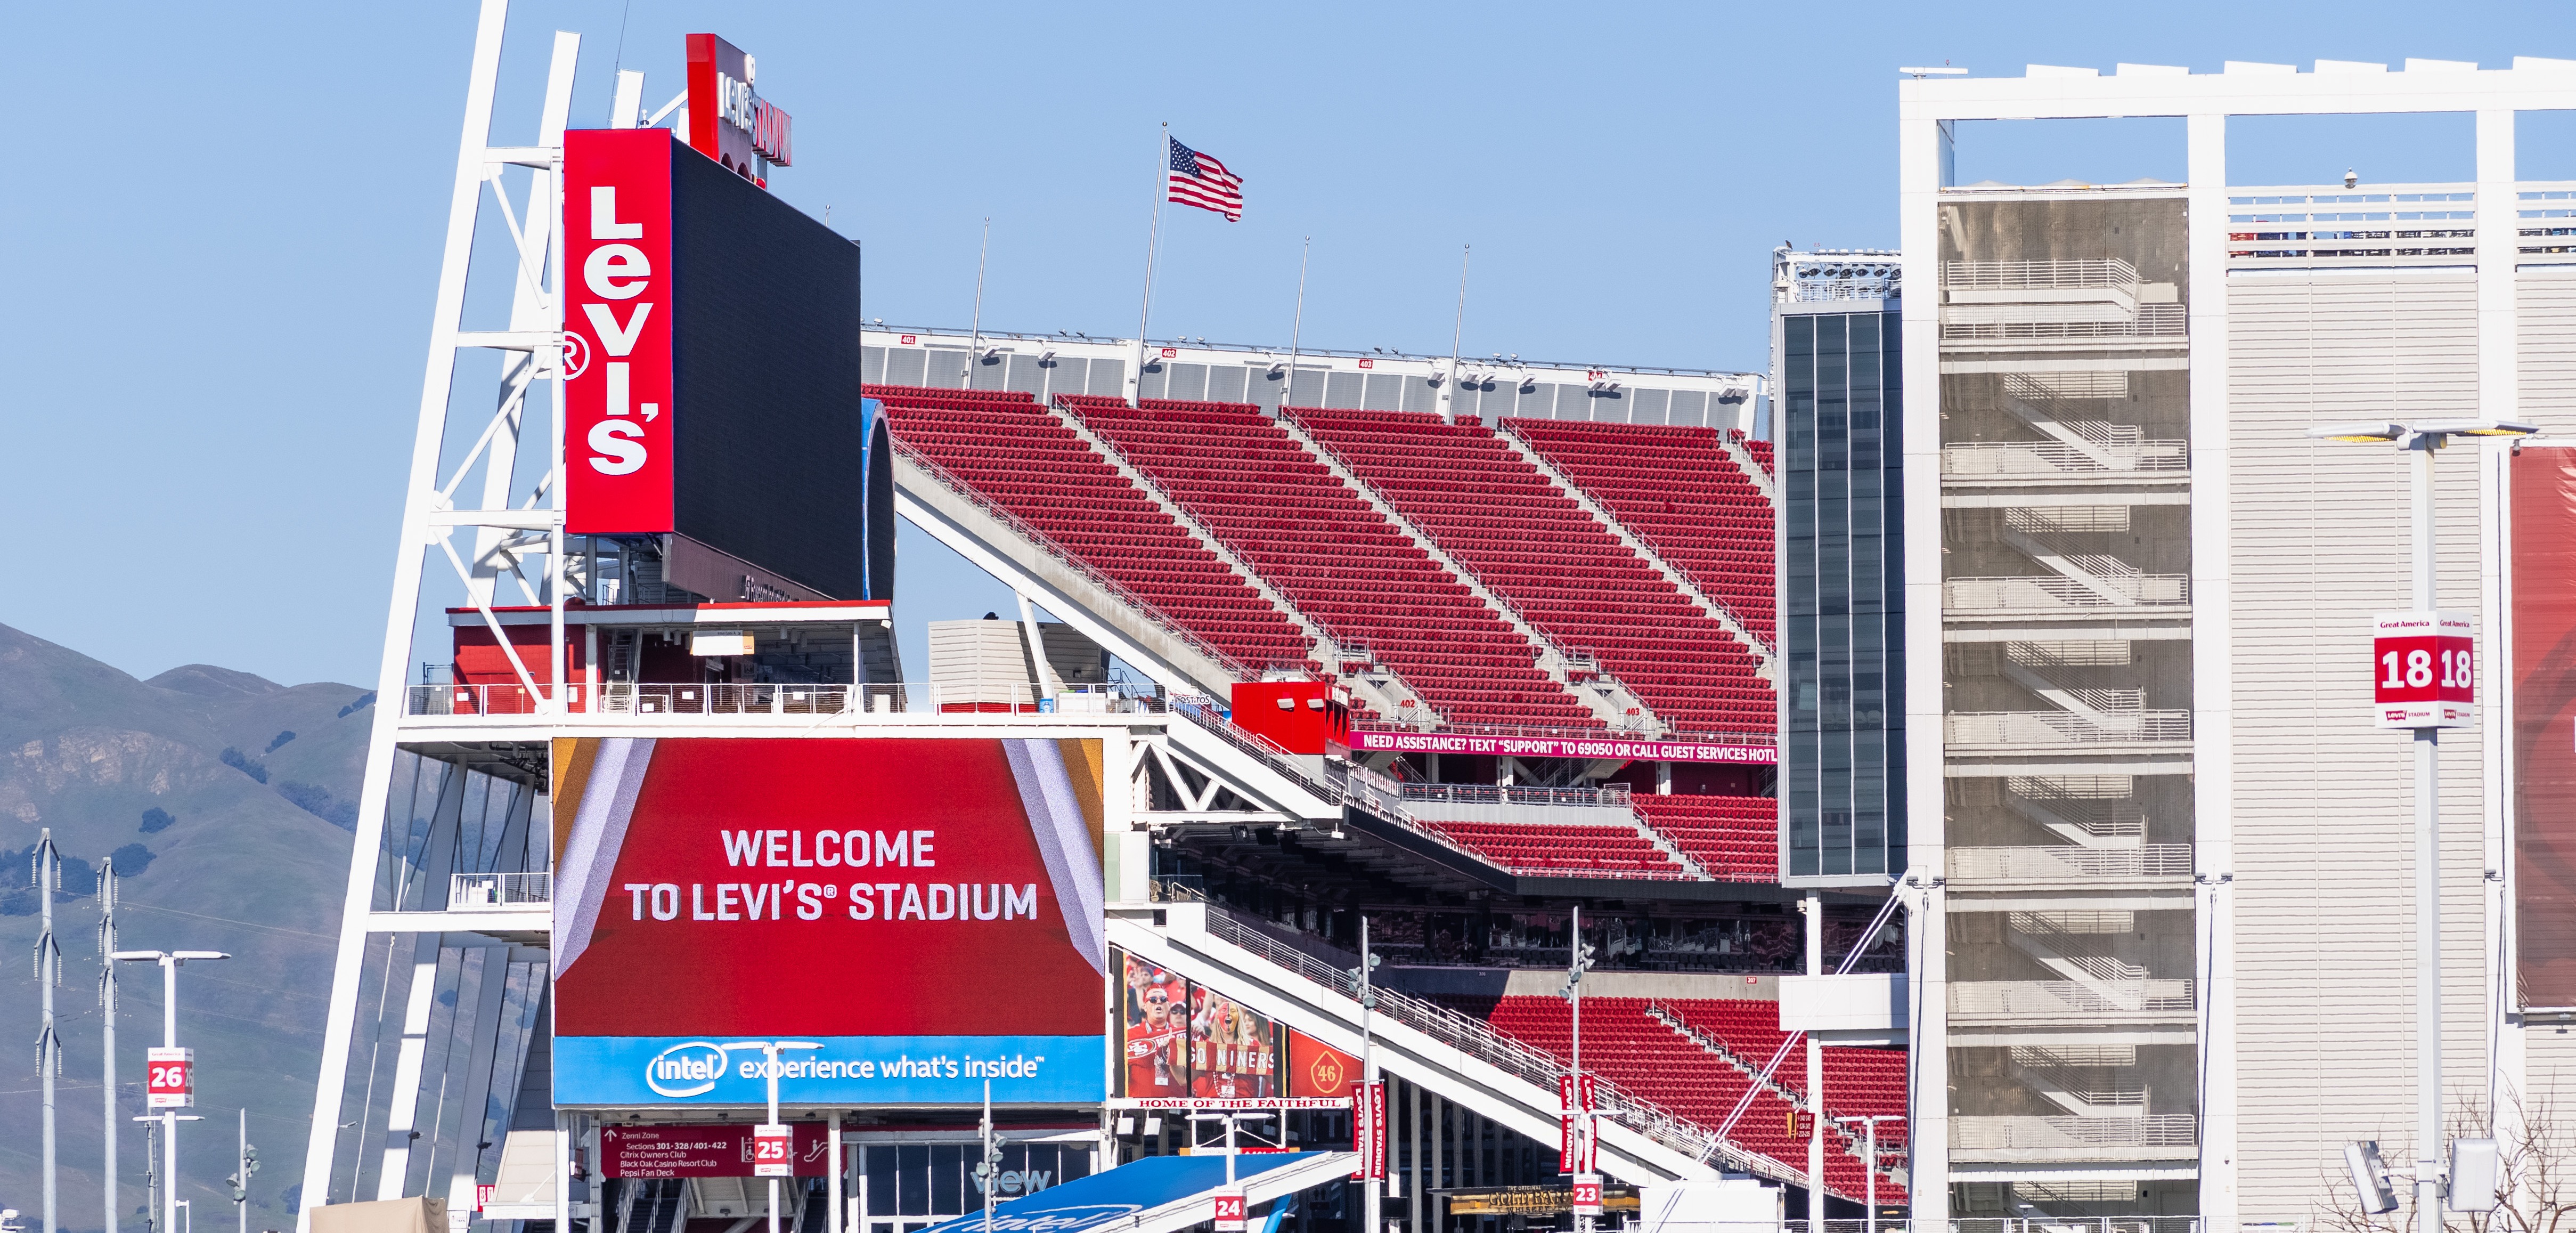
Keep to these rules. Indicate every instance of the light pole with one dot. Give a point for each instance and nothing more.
(1869, 1163)
(770, 1069)
(1578, 961)
(1373, 1188)
(2425, 440)
(170, 1117)
(107, 1032)
(49, 973)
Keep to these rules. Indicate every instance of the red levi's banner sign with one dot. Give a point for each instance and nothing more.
(1574, 1127)
(2424, 672)
(1368, 1131)
(707, 1150)
(617, 332)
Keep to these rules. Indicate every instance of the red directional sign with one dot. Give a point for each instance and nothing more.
(171, 1081)
(772, 1150)
(2424, 670)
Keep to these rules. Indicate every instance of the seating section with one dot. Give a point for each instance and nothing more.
(1761, 451)
(1017, 455)
(1554, 562)
(1337, 559)
(1734, 838)
(1858, 1080)
(1680, 491)
(1625, 1043)
(1571, 850)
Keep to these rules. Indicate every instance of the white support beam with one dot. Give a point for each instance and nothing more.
(393, 670)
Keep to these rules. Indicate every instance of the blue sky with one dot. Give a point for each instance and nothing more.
(221, 238)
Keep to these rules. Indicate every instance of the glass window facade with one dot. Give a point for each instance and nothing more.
(1842, 756)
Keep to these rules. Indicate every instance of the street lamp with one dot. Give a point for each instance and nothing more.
(1869, 1164)
(170, 1101)
(2425, 439)
(784, 1139)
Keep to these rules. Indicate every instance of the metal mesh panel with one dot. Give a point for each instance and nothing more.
(904, 367)
(1187, 382)
(1341, 390)
(1419, 394)
(872, 364)
(1024, 377)
(1688, 407)
(1108, 379)
(1649, 406)
(941, 367)
(1382, 391)
(1226, 383)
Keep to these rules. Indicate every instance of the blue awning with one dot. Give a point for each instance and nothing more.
(1156, 1194)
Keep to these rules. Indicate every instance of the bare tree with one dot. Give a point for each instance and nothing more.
(2536, 1187)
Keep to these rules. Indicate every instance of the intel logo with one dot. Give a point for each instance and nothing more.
(690, 1068)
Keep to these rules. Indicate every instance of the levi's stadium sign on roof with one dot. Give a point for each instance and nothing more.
(929, 911)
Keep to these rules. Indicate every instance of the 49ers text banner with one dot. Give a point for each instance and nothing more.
(617, 331)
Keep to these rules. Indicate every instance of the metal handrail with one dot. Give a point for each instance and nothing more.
(2046, 459)
(1038, 539)
(2069, 862)
(2012, 729)
(470, 892)
(1479, 1040)
(1578, 734)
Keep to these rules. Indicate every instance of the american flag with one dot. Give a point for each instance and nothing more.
(1199, 180)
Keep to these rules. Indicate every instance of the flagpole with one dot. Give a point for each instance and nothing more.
(1153, 237)
(1457, 332)
(975, 333)
(1288, 386)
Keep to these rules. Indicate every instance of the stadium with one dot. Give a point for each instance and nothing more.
(1454, 794)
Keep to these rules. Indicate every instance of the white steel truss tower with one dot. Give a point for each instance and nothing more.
(513, 528)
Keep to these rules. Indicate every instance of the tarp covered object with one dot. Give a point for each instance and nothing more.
(1113, 1200)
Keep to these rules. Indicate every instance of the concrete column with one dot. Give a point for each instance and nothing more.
(1924, 166)
(2213, 671)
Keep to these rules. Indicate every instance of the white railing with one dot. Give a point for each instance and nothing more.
(2015, 729)
(1627, 728)
(485, 892)
(2070, 864)
(2066, 998)
(2050, 593)
(2107, 816)
(2150, 321)
(487, 699)
(2052, 459)
(2027, 1133)
(1607, 796)
(699, 699)
(1478, 1039)
(2019, 275)
(1376, 794)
